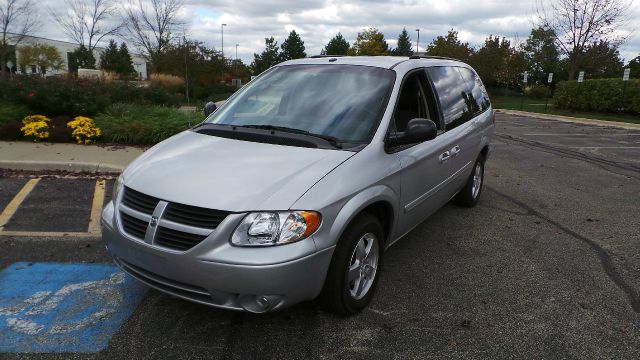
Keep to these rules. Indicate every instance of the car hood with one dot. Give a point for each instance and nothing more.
(228, 174)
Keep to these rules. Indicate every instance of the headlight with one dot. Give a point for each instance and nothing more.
(117, 187)
(275, 228)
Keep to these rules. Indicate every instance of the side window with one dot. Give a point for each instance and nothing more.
(457, 107)
(476, 89)
(414, 101)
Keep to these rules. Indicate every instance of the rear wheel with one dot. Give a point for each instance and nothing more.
(355, 267)
(470, 193)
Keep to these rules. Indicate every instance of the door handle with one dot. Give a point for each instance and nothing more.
(454, 152)
(444, 157)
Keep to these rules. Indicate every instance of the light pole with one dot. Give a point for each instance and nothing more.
(222, 33)
(418, 42)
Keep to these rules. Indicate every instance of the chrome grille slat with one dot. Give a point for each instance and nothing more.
(133, 226)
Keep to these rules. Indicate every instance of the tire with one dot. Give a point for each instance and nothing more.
(340, 295)
(469, 195)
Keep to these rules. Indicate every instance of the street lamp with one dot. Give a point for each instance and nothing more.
(222, 33)
(418, 42)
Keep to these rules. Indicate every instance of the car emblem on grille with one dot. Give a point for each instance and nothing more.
(154, 221)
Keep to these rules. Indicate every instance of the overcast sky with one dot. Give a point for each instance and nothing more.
(317, 21)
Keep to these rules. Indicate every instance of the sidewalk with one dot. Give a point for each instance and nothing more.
(22, 155)
(622, 125)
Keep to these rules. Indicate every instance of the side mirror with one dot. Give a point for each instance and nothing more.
(209, 108)
(418, 130)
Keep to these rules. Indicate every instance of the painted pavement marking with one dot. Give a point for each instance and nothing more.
(61, 308)
(96, 208)
(12, 207)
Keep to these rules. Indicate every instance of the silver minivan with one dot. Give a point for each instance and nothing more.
(294, 188)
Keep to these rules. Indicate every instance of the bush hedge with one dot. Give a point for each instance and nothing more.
(603, 95)
(143, 125)
(74, 97)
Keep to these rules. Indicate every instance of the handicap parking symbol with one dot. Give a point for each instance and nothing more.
(54, 308)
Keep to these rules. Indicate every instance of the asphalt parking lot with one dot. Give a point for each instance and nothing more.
(546, 266)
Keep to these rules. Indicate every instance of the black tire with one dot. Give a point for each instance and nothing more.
(466, 196)
(336, 295)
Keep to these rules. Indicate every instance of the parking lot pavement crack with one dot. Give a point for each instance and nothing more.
(602, 163)
(604, 257)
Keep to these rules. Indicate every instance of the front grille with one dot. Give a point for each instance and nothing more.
(182, 214)
(195, 216)
(139, 201)
(133, 226)
(177, 240)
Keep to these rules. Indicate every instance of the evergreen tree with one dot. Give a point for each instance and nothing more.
(370, 42)
(338, 45)
(292, 47)
(81, 58)
(109, 58)
(269, 57)
(404, 47)
(125, 63)
(602, 60)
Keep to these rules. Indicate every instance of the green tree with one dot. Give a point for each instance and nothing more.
(491, 58)
(370, 42)
(634, 65)
(44, 57)
(269, 57)
(117, 60)
(338, 45)
(541, 55)
(81, 58)
(125, 62)
(450, 46)
(404, 47)
(602, 60)
(292, 47)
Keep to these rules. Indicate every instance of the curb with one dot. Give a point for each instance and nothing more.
(569, 119)
(27, 165)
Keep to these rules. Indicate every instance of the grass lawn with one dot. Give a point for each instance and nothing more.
(537, 106)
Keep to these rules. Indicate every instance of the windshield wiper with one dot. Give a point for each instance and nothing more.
(330, 139)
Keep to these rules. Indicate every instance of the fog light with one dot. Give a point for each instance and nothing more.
(259, 303)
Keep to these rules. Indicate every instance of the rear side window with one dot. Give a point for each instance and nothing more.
(476, 89)
(453, 92)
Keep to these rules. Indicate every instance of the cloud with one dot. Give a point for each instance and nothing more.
(249, 22)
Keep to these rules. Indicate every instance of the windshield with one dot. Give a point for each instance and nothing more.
(344, 102)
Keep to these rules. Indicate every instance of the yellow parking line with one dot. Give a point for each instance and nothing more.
(11, 209)
(96, 208)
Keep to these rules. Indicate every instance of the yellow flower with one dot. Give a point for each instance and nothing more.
(84, 130)
(36, 127)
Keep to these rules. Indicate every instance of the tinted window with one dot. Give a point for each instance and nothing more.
(476, 89)
(342, 101)
(453, 94)
(411, 102)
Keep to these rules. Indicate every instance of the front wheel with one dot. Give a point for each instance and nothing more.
(470, 193)
(355, 267)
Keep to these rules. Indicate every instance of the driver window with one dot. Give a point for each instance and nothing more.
(412, 103)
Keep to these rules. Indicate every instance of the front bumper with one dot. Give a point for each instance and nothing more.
(218, 274)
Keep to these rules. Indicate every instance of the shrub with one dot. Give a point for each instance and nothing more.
(74, 97)
(84, 130)
(36, 127)
(537, 91)
(169, 82)
(143, 125)
(12, 112)
(604, 95)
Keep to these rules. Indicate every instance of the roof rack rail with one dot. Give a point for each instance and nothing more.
(324, 56)
(413, 57)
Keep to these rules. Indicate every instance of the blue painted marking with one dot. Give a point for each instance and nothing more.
(59, 308)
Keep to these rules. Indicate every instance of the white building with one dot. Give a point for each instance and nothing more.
(65, 48)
